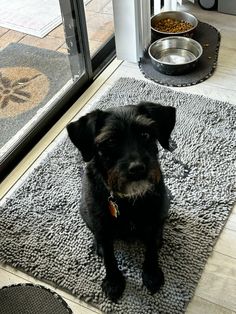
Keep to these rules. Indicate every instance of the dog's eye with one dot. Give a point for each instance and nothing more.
(145, 135)
(106, 144)
(110, 140)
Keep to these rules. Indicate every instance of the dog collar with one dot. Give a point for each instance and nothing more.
(112, 206)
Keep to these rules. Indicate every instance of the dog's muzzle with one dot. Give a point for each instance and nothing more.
(135, 182)
(137, 171)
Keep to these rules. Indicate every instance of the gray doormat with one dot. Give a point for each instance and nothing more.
(209, 38)
(43, 234)
(29, 78)
(31, 299)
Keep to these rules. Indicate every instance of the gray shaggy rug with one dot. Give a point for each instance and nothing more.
(43, 234)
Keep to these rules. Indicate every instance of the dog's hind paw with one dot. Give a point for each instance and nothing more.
(114, 286)
(153, 280)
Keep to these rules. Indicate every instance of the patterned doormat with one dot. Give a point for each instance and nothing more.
(29, 78)
(42, 231)
(29, 298)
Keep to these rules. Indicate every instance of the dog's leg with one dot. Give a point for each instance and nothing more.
(153, 277)
(97, 248)
(113, 284)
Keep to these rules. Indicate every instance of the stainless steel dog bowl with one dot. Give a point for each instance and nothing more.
(177, 15)
(175, 55)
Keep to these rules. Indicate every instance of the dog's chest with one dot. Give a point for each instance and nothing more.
(129, 221)
(125, 226)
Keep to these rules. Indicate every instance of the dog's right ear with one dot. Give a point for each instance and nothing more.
(83, 132)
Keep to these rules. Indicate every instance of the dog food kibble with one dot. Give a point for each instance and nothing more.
(172, 26)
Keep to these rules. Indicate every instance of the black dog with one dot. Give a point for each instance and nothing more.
(123, 191)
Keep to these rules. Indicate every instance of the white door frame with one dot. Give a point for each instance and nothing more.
(132, 28)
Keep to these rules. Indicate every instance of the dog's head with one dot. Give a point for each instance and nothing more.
(122, 143)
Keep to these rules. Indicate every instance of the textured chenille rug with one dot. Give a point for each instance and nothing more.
(43, 234)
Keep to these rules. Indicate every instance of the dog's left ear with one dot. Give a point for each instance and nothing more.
(164, 116)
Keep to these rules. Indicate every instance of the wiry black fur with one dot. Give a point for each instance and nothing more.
(119, 146)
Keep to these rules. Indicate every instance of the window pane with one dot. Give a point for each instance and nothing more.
(99, 16)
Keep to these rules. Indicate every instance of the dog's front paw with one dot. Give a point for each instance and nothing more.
(153, 280)
(113, 286)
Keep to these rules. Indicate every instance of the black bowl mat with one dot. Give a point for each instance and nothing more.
(31, 299)
(209, 37)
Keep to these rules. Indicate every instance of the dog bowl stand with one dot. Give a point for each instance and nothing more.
(209, 38)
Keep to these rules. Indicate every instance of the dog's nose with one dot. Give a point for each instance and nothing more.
(137, 170)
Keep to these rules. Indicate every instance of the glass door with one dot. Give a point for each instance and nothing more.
(45, 65)
(100, 29)
(100, 23)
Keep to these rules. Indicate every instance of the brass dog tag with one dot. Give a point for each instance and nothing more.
(113, 207)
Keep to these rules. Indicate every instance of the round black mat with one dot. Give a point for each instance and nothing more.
(31, 299)
(209, 37)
